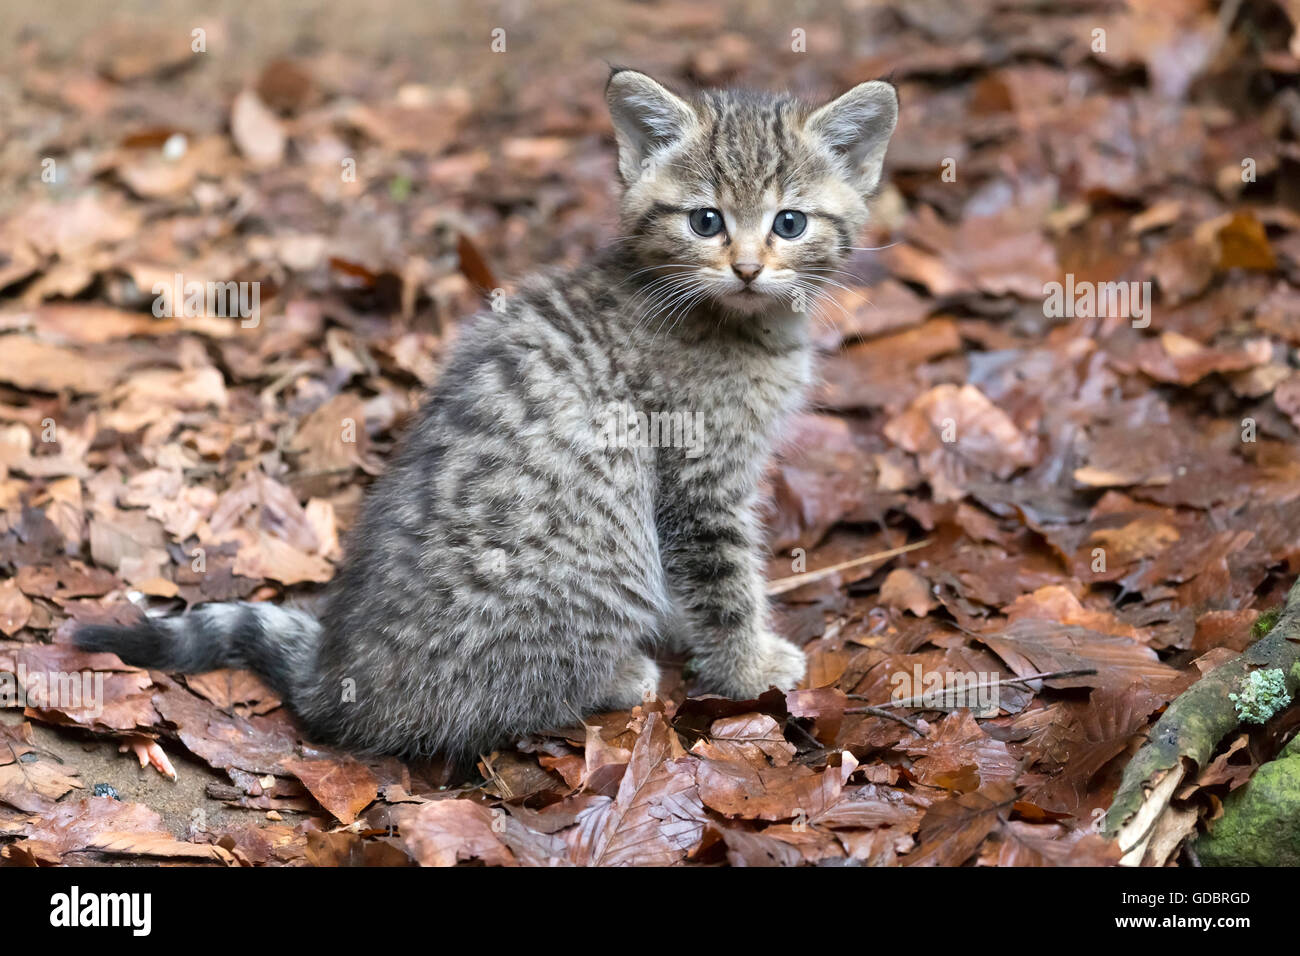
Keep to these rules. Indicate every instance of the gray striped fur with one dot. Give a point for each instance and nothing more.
(514, 569)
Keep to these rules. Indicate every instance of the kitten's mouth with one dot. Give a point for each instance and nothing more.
(748, 300)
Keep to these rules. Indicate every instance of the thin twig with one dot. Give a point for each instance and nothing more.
(782, 585)
(889, 715)
(817, 744)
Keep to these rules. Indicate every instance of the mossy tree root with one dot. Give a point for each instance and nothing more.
(1189, 731)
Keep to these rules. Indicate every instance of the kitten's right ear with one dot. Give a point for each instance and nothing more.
(646, 117)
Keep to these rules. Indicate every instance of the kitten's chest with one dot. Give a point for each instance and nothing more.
(744, 393)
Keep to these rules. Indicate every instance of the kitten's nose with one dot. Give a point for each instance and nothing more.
(747, 271)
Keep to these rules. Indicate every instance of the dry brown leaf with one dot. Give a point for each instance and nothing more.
(343, 786)
(906, 590)
(256, 130)
(656, 818)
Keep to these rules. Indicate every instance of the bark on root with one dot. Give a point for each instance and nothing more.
(1188, 733)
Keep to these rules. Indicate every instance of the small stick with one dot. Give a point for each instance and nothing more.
(889, 715)
(918, 701)
(782, 585)
(817, 744)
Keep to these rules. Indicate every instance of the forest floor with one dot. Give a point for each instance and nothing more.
(1105, 487)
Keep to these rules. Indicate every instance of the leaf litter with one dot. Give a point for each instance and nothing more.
(986, 488)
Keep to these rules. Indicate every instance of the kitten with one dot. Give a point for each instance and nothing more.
(581, 484)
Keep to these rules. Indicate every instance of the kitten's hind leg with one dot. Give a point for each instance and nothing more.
(635, 680)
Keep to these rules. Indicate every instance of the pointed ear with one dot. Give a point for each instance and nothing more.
(857, 126)
(646, 117)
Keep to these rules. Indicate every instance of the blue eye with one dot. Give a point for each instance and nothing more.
(789, 224)
(706, 222)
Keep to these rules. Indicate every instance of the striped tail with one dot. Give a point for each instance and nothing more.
(278, 643)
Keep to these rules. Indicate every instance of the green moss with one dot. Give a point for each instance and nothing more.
(1263, 694)
(1260, 825)
(1264, 623)
(1292, 748)
(399, 189)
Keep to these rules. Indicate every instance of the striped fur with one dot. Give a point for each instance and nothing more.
(514, 569)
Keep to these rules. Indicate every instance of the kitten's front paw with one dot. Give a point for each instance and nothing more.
(773, 662)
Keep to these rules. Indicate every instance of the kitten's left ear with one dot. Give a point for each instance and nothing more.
(646, 116)
(858, 125)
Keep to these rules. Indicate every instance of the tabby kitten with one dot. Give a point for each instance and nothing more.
(580, 486)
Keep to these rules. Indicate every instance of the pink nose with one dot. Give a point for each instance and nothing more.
(747, 271)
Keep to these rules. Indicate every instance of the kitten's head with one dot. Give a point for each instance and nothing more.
(745, 198)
